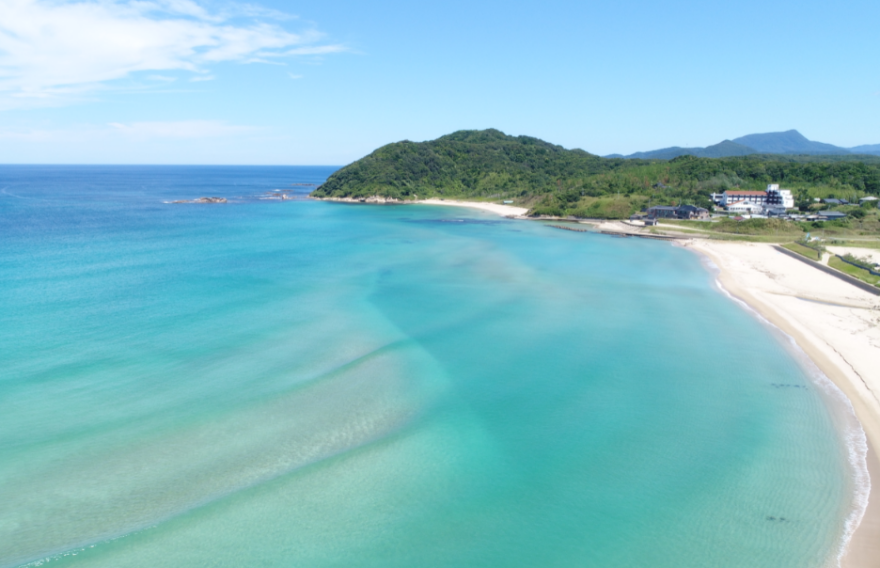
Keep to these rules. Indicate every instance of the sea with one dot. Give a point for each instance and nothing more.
(286, 382)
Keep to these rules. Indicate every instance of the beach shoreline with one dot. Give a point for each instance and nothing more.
(799, 303)
(756, 280)
(496, 208)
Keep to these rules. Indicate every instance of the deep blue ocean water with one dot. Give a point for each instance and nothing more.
(306, 384)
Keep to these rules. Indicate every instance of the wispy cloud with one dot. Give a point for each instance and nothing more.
(55, 52)
(180, 129)
(142, 131)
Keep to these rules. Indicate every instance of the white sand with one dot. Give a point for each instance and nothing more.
(503, 210)
(842, 336)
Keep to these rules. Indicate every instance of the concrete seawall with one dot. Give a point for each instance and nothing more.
(828, 270)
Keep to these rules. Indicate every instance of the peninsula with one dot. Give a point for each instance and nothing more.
(547, 179)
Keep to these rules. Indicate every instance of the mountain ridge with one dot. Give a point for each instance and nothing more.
(783, 143)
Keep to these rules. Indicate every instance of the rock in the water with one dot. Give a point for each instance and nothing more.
(202, 200)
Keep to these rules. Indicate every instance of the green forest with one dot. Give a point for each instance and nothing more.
(550, 180)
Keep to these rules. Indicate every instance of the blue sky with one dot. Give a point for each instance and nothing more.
(209, 82)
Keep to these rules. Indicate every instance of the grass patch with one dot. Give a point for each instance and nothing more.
(860, 243)
(862, 275)
(803, 251)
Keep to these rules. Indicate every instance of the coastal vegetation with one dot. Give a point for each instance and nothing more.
(550, 180)
(859, 272)
(864, 263)
(802, 250)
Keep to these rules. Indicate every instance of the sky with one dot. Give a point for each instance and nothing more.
(325, 83)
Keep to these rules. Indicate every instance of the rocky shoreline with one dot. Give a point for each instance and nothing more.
(371, 199)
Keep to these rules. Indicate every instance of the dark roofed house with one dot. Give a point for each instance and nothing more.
(831, 215)
(679, 212)
(692, 212)
(832, 201)
(662, 212)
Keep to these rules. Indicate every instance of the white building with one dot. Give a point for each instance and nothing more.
(745, 208)
(773, 201)
(736, 195)
(779, 198)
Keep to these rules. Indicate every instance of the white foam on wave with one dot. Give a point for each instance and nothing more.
(855, 440)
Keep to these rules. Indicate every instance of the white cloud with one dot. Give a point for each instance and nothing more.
(180, 129)
(140, 131)
(55, 52)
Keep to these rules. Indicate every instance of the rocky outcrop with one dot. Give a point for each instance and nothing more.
(202, 200)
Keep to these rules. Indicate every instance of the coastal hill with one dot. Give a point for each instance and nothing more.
(788, 142)
(551, 180)
(465, 163)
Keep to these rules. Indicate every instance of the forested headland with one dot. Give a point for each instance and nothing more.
(551, 180)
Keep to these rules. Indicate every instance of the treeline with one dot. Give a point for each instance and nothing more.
(551, 180)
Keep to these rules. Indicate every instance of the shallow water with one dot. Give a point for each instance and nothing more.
(310, 384)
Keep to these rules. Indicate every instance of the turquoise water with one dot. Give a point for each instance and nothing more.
(306, 384)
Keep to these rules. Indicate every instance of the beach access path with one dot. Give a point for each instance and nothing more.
(836, 324)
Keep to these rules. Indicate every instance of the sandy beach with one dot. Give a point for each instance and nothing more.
(497, 208)
(503, 210)
(837, 325)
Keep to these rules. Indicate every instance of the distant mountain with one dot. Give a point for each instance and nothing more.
(726, 149)
(789, 142)
(866, 149)
(661, 154)
(721, 150)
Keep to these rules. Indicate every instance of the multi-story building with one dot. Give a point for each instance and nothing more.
(732, 196)
(779, 198)
(773, 200)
